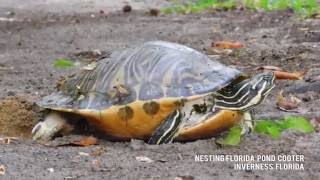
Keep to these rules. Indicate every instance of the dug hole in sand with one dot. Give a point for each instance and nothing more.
(17, 117)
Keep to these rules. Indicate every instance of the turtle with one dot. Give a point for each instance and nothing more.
(159, 92)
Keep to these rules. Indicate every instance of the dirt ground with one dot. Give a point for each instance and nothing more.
(28, 46)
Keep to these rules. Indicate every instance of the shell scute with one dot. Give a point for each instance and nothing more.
(153, 70)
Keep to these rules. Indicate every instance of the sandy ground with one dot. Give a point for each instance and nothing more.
(78, 6)
(32, 41)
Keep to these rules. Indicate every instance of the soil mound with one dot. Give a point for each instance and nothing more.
(17, 117)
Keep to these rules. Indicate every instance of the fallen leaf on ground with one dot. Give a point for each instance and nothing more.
(280, 74)
(227, 45)
(144, 159)
(273, 68)
(87, 141)
(2, 170)
(286, 104)
(289, 75)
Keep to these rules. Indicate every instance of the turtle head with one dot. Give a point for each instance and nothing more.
(262, 83)
(259, 87)
(246, 94)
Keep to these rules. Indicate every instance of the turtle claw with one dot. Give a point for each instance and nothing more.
(40, 132)
(48, 128)
(36, 128)
(247, 127)
(247, 124)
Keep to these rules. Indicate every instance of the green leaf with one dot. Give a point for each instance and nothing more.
(233, 137)
(274, 132)
(63, 63)
(274, 128)
(297, 123)
(268, 127)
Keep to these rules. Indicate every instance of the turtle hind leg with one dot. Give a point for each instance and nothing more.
(53, 124)
(166, 132)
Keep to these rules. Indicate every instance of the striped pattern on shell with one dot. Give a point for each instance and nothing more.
(154, 70)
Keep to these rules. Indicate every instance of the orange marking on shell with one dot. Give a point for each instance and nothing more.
(140, 126)
(151, 107)
(125, 113)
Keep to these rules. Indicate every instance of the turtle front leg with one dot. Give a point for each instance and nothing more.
(53, 124)
(167, 131)
(247, 124)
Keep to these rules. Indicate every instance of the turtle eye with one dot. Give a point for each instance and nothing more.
(268, 76)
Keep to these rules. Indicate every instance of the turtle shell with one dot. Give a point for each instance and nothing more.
(154, 70)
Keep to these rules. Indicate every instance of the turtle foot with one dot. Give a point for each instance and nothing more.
(49, 128)
(247, 124)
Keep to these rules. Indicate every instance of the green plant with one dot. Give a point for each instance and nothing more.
(200, 5)
(264, 4)
(305, 8)
(274, 128)
(310, 7)
(270, 128)
(63, 63)
(233, 137)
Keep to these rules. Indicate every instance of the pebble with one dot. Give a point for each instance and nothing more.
(127, 8)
